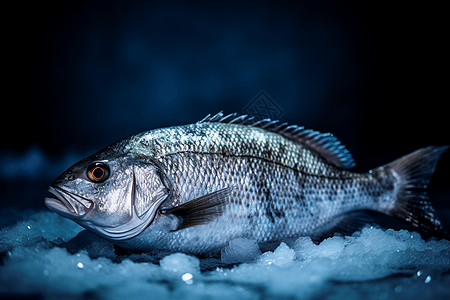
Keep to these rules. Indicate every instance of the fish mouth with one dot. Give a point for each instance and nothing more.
(68, 204)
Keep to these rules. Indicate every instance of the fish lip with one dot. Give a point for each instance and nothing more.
(68, 204)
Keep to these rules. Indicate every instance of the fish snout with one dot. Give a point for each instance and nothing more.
(67, 176)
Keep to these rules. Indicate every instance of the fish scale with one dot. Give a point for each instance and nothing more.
(230, 139)
(193, 188)
(265, 217)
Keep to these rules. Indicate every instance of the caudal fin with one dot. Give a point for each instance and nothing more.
(411, 204)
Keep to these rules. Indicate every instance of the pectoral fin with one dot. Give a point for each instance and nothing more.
(201, 210)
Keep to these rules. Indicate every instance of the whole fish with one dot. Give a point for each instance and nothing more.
(193, 188)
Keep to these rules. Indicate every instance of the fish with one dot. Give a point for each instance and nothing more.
(194, 188)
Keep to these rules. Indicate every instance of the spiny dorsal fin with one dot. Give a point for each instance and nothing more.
(325, 144)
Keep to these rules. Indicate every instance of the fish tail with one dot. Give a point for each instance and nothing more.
(410, 202)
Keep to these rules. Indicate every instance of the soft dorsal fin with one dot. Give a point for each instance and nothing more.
(325, 144)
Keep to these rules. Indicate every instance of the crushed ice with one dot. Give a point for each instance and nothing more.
(52, 256)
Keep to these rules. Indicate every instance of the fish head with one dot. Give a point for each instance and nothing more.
(114, 197)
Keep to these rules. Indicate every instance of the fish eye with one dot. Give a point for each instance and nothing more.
(98, 172)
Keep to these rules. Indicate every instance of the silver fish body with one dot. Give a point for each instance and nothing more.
(194, 188)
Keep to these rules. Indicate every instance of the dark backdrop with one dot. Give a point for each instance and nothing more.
(81, 75)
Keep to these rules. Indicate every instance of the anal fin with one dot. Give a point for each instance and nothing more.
(344, 224)
(201, 210)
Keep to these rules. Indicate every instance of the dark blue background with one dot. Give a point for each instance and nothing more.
(81, 75)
